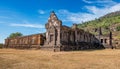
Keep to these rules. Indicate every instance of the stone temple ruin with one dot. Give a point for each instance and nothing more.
(59, 38)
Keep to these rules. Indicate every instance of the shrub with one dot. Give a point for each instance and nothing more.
(1, 45)
(118, 28)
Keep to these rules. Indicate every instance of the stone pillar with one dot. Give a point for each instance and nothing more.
(54, 37)
(47, 37)
(76, 37)
(58, 37)
(68, 38)
(110, 38)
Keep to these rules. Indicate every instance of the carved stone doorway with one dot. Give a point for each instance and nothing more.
(51, 37)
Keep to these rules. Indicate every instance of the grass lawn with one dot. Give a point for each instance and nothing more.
(37, 59)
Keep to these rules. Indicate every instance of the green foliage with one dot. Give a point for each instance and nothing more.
(104, 22)
(1, 45)
(13, 35)
(118, 28)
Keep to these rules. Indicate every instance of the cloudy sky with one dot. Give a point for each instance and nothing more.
(30, 16)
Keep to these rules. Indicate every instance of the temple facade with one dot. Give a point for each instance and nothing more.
(61, 37)
(58, 38)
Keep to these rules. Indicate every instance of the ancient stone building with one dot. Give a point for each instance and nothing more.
(105, 39)
(60, 37)
(30, 41)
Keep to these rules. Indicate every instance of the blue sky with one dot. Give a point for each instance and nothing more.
(30, 16)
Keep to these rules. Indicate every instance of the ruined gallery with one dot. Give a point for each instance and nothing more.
(58, 38)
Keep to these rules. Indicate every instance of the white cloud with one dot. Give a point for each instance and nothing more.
(98, 1)
(28, 25)
(94, 12)
(75, 17)
(86, 1)
(102, 11)
(25, 23)
(103, 3)
(41, 11)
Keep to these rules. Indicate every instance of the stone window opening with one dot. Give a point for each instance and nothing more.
(105, 40)
(77, 32)
(101, 40)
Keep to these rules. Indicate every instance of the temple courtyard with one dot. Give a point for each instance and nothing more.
(38, 59)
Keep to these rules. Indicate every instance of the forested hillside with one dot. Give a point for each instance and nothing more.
(106, 22)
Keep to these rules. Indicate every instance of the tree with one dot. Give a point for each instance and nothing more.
(1, 45)
(13, 35)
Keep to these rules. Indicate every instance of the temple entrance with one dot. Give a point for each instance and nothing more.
(51, 38)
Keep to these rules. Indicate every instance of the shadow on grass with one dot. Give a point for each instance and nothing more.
(86, 50)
